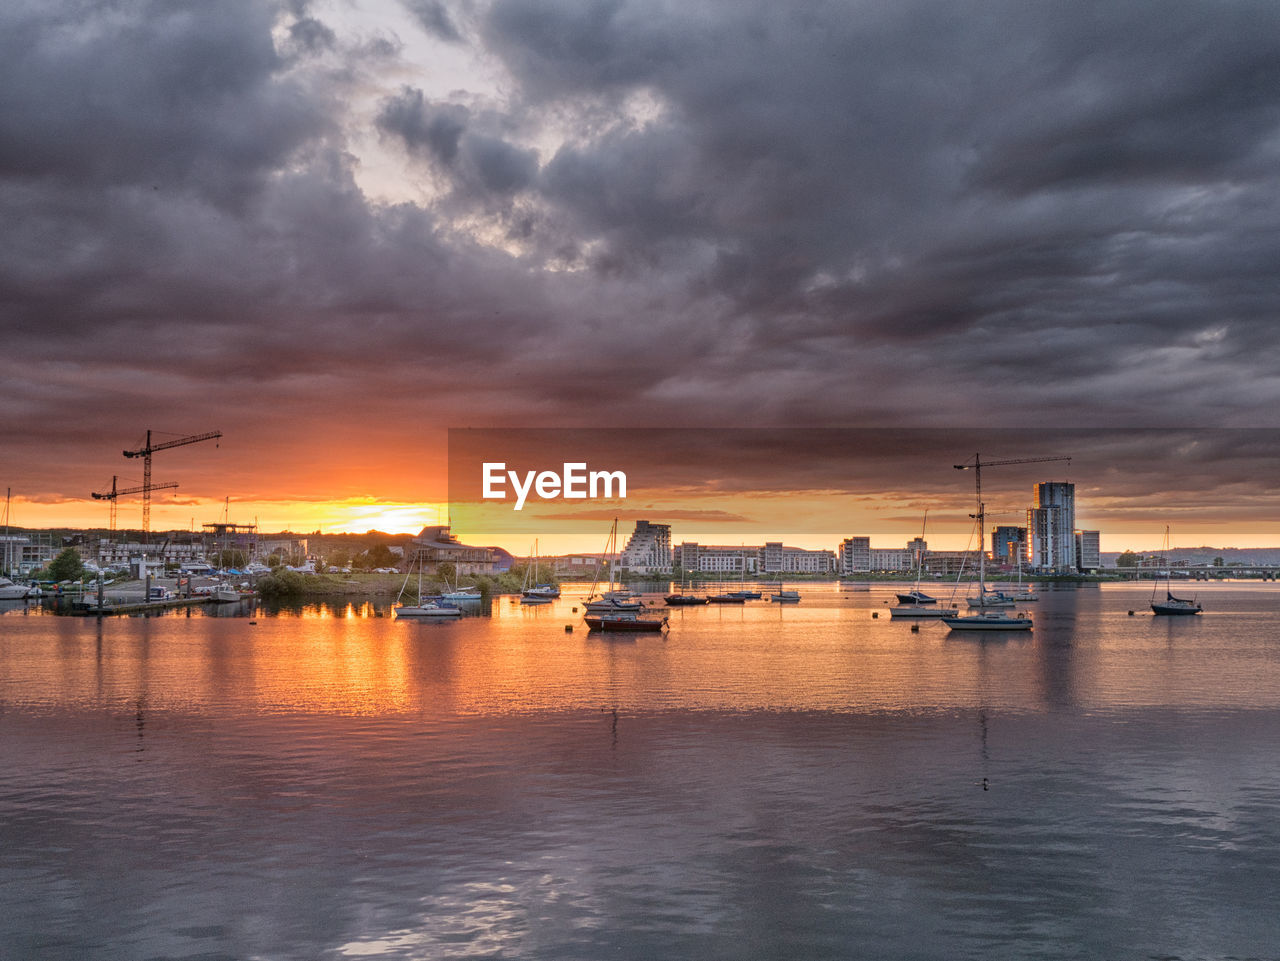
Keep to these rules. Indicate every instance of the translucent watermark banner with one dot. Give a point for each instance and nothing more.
(816, 486)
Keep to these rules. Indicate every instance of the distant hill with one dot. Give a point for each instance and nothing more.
(1205, 555)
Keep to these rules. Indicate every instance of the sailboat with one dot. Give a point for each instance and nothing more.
(741, 595)
(781, 596)
(531, 592)
(425, 607)
(914, 603)
(611, 601)
(682, 599)
(987, 620)
(1171, 604)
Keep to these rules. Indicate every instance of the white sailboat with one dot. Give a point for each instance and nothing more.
(784, 597)
(425, 607)
(987, 620)
(611, 601)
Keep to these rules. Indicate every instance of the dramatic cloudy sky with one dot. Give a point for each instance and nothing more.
(332, 230)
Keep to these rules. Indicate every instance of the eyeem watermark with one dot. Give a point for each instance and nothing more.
(574, 482)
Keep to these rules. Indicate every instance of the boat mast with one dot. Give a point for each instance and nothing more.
(920, 550)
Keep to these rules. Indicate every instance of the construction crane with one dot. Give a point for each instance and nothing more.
(978, 463)
(145, 453)
(115, 492)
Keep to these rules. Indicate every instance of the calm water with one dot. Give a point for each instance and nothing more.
(766, 782)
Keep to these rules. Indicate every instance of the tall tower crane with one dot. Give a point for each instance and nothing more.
(115, 492)
(145, 452)
(978, 463)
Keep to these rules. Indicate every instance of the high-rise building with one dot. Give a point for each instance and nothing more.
(648, 548)
(1008, 543)
(1051, 527)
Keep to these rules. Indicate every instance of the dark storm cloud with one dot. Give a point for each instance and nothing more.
(998, 180)
(439, 131)
(435, 18)
(181, 96)
(716, 213)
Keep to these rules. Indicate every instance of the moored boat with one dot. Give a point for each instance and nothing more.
(427, 608)
(630, 624)
(462, 594)
(611, 605)
(548, 591)
(9, 591)
(989, 621)
(1175, 605)
(921, 612)
(988, 599)
(1170, 604)
(684, 600)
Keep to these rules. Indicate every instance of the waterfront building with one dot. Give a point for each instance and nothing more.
(777, 558)
(648, 549)
(1088, 550)
(436, 545)
(855, 555)
(713, 559)
(167, 554)
(917, 547)
(891, 559)
(1051, 527)
(1008, 543)
(26, 552)
(951, 563)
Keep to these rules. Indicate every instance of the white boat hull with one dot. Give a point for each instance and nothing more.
(989, 602)
(427, 610)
